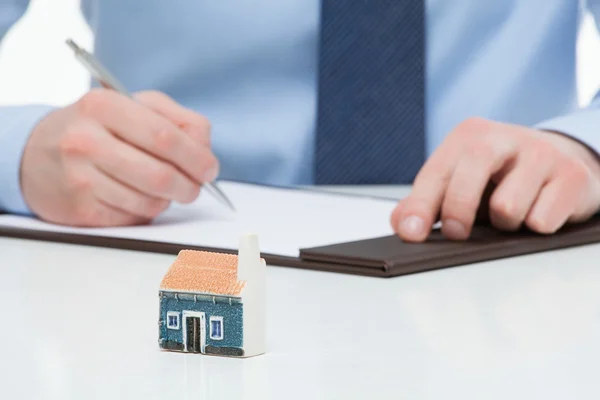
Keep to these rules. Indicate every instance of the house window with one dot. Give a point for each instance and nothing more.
(216, 328)
(173, 320)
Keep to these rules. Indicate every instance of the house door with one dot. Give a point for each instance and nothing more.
(194, 331)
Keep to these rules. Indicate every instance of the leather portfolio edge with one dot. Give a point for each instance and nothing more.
(174, 248)
(509, 249)
(392, 268)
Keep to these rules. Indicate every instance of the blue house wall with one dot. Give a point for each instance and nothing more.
(232, 313)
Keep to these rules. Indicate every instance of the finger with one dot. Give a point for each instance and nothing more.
(138, 170)
(193, 123)
(105, 215)
(413, 221)
(140, 126)
(558, 199)
(429, 189)
(423, 206)
(90, 212)
(483, 213)
(395, 216)
(467, 185)
(109, 216)
(517, 191)
(486, 154)
(125, 199)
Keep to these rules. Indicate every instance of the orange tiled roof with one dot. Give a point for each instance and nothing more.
(204, 272)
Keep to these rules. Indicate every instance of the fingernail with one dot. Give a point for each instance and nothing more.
(211, 174)
(412, 225)
(454, 229)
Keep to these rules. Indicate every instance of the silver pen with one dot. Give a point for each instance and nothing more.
(108, 80)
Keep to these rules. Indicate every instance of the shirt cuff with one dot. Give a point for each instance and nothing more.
(16, 127)
(583, 126)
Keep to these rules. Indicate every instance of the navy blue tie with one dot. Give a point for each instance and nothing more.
(371, 111)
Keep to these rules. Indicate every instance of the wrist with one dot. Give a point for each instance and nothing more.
(18, 123)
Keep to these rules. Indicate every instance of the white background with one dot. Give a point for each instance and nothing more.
(37, 66)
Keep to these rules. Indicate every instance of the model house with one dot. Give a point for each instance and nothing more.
(214, 303)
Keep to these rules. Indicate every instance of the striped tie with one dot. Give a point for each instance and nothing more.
(371, 111)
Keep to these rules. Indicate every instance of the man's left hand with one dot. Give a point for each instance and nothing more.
(542, 180)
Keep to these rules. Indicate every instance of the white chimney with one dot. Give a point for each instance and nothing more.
(253, 270)
(249, 262)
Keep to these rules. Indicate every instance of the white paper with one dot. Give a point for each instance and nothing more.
(285, 219)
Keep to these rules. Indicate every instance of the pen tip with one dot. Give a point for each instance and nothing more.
(72, 44)
(220, 195)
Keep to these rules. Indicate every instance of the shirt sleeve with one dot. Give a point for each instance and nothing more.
(10, 12)
(582, 125)
(17, 124)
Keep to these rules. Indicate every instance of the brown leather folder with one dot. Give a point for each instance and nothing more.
(386, 256)
(389, 256)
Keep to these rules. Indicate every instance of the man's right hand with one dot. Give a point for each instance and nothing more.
(108, 160)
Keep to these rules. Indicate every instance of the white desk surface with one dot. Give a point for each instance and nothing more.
(81, 323)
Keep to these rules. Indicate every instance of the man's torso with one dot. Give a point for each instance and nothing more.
(251, 68)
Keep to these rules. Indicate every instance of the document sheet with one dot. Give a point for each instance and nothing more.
(286, 220)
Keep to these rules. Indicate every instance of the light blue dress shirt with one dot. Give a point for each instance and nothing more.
(251, 68)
